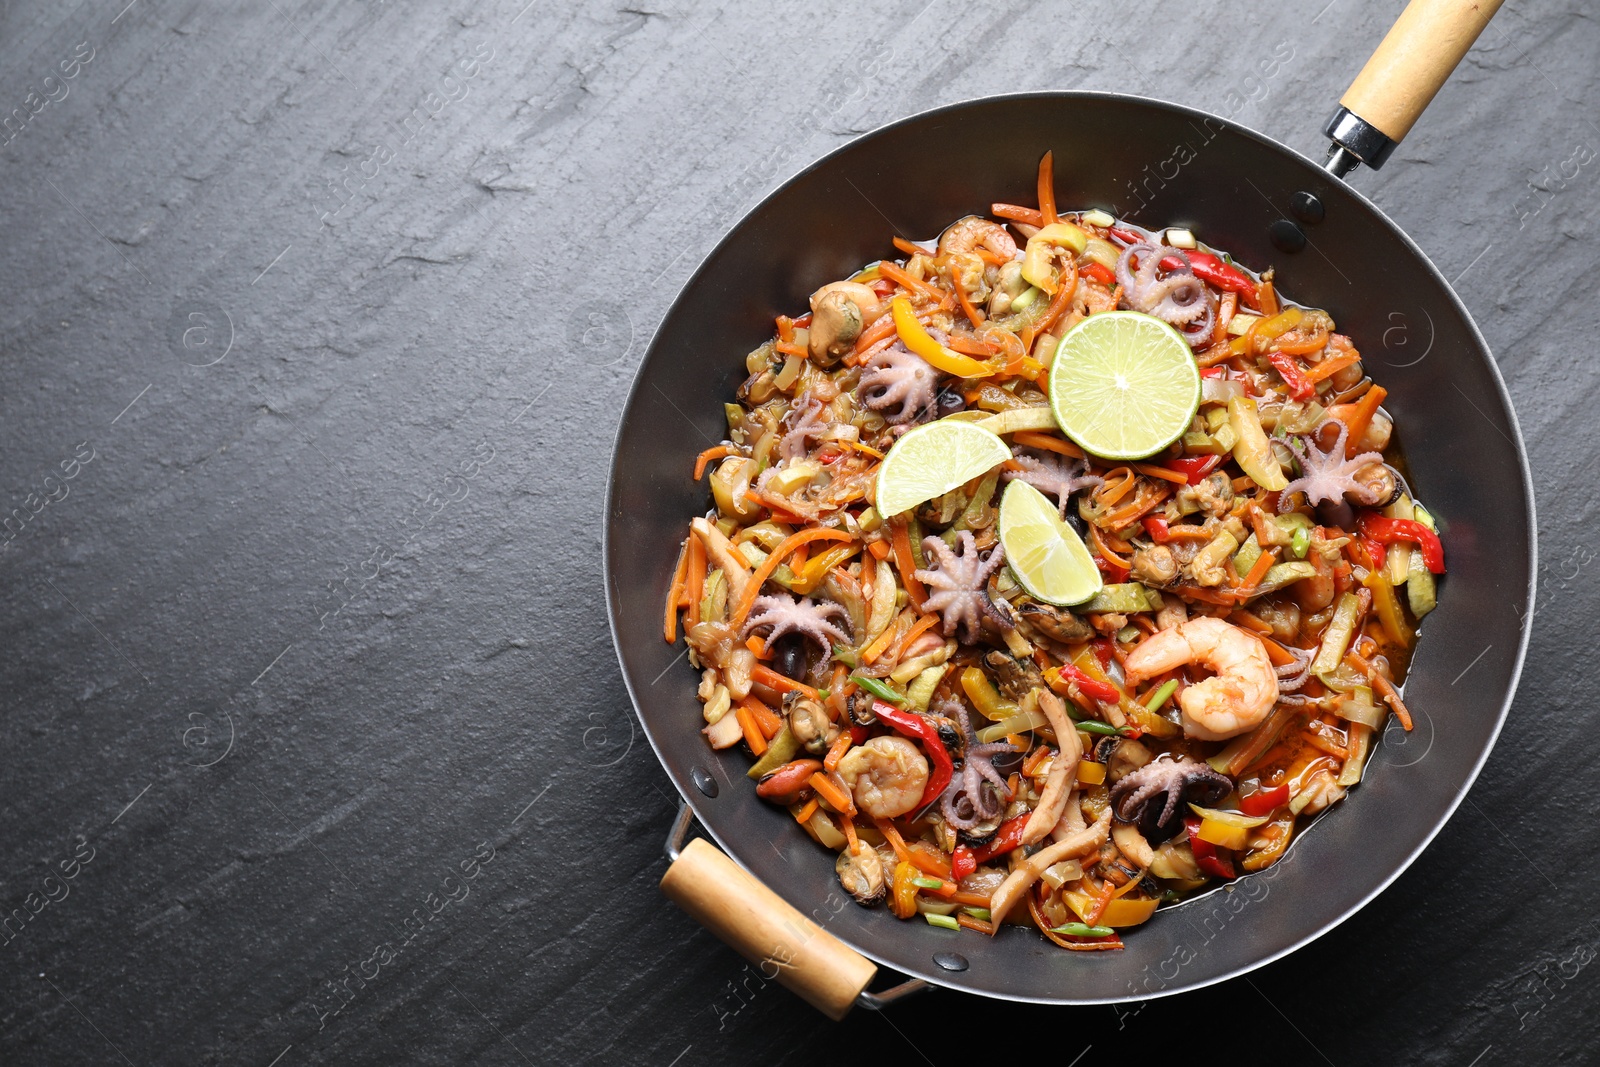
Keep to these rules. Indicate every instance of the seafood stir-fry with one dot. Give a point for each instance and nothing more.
(975, 751)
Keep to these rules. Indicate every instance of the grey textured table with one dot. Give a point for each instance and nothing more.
(317, 321)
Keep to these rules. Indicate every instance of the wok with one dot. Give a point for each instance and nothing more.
(1158, 164)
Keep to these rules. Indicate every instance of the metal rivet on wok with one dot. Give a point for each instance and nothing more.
(1307, 208)
(950, 961)
(1286, 236)
(703, 781)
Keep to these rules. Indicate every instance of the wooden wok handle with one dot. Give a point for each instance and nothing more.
(766, 930)
(1411, 64)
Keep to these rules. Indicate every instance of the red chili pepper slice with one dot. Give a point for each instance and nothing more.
(1263, 801)
(1099, 273)
(1007, 838)
(1194, 467)
(1387, 531)
(962, 862)
(1114, 574)
(858, 735)
(1157, 528)
(917, 728)
(1103, 651)
(1222, 275)
(1375, 552)
(1214, 372)
(1206, 856)
(1104, 692)
(1300, 387)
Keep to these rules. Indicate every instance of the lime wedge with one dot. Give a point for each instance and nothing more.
(1045, 554)
(932, 460)
(1124, 385)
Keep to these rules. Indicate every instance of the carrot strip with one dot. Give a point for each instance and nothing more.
(878, 331)
(1105, 552)
(752, 732)
(675, 592)
(1255, 625)
(880, 644)
(1066, 286)
(1047, 189)
(1314, 343)
(1102, 902)
(840, 746)
(1279, 655)
(1361, 417)
(907, 282)
(808, 809)
(970, 899)
(1109, 494)
(917, 630)
(887, 828)
(910, 249)
(850, 833)
(879, 549)
(963, 919)
(758, 646)
(1150, 470)
(973, 315)
(770, 678)
(1258, 570)
(1033, 761)
(1383, 685)
(1329, 367)
(694, 584)
(907, 565)
(770, 564)
(832, 792)
(1017, 213)
(715, 452)
(765, 717)
(1031, 439)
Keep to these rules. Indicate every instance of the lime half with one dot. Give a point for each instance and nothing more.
(1046, 555)
(1124, 385)
(932, 460)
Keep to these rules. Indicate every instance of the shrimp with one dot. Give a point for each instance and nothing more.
(886, 776)
(967, 234)
(1236, 698)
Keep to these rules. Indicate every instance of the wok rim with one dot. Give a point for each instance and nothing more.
(1482, 352)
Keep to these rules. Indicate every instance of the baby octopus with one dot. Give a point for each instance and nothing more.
(899, 386)
(966, 803)
(957, 583)
(786, 615)
(1179, 298)
(1053, 475)
(1326, 477)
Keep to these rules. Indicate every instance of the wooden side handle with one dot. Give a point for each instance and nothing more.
(766, 930)
(1421, 49)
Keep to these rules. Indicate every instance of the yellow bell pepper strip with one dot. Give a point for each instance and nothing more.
(1119, 912)
(812, 573)
(1387, 605)
(1226, 829)
(1268, 330)
(985, 697)
(1253, 451)
(1036, 266)
(920, 341)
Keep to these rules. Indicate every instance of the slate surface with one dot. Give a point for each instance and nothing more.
(319, 317)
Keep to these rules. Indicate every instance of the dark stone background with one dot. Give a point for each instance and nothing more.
(321, 619)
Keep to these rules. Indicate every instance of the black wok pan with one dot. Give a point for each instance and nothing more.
(1157, 164)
